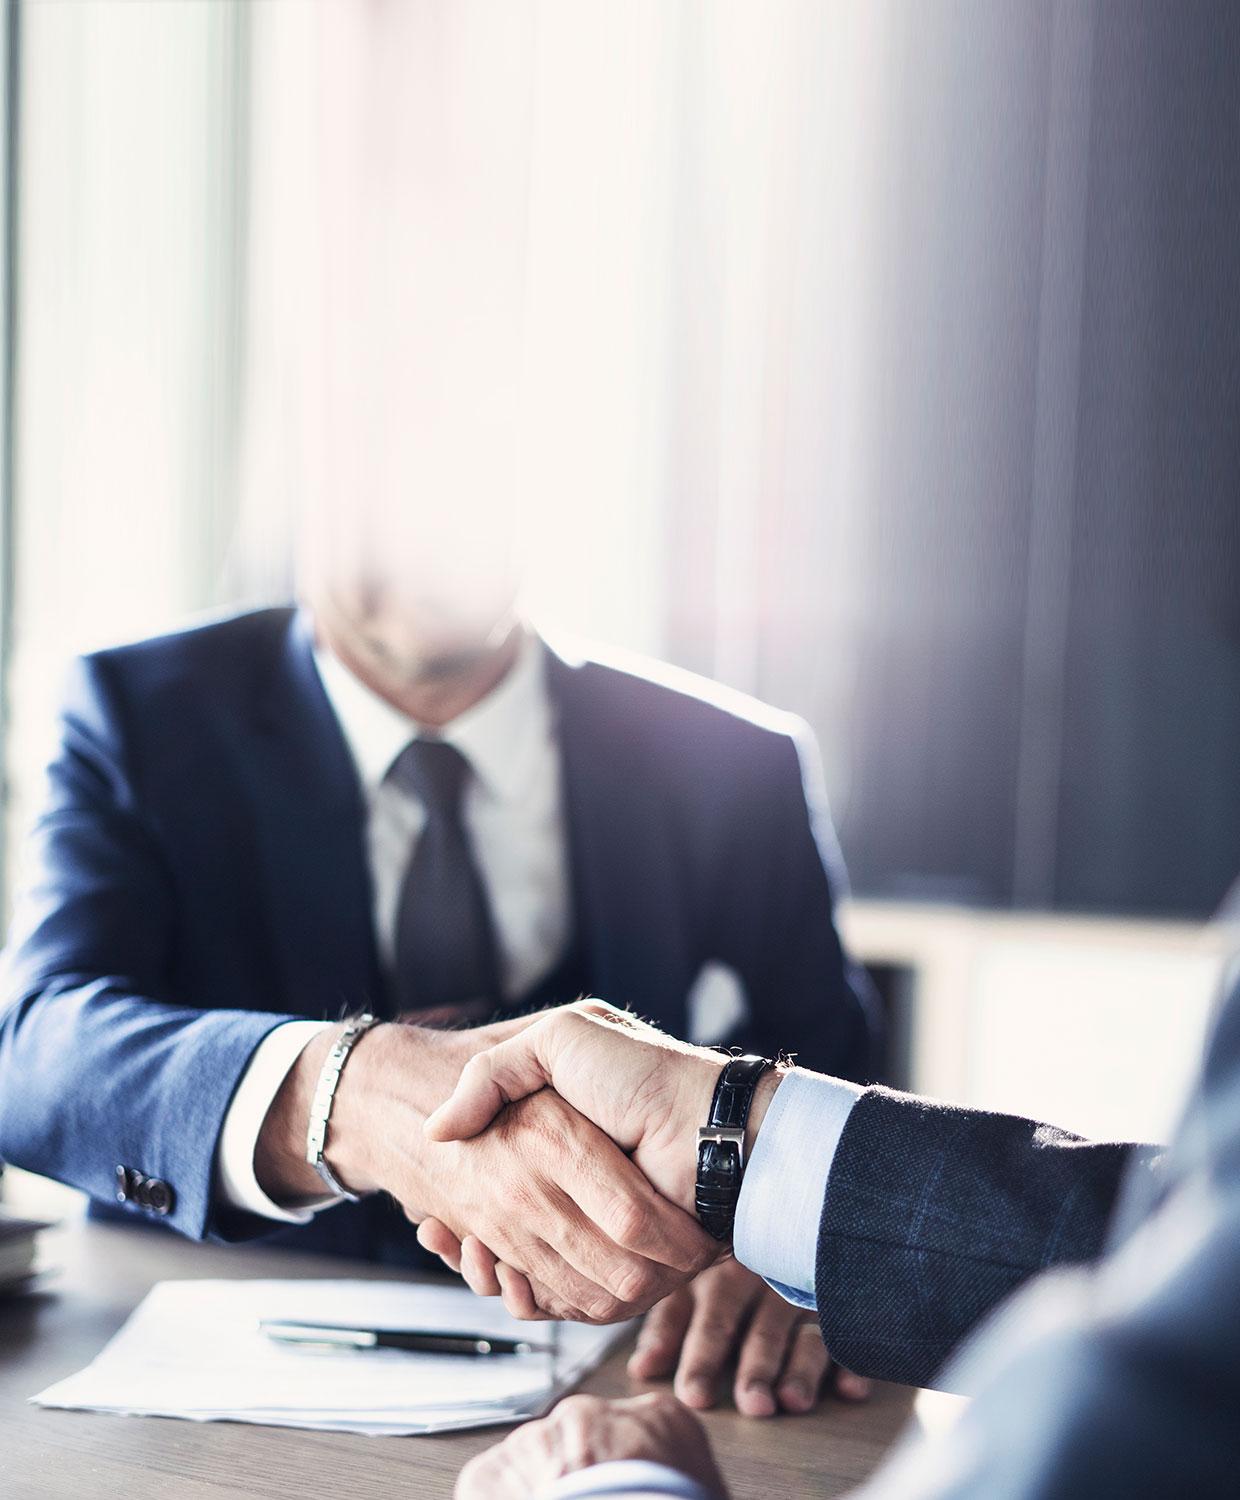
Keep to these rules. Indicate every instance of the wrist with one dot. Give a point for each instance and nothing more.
(389, 1087)
(695, 1090)
(695, 1096)
(280, 1164)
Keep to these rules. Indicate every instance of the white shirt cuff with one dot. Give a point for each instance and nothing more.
(235, 1181)
(785, 1182)
(627, 1476)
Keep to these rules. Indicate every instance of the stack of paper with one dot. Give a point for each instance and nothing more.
(18, 1251)
(194, 1349)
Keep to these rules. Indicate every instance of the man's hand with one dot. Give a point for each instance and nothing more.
(585, 1430)
(725, 1313)
(558, 1202)
(729, 1313)
(647, 1091)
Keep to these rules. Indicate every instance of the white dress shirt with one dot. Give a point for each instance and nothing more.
(514, 811)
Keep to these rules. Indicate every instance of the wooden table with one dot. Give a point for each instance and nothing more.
(78, 1455)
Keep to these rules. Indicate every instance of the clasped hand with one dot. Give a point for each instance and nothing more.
(648, 1093)
(545, 1188)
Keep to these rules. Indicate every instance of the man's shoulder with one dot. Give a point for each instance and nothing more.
(228, 646)
(654, 700)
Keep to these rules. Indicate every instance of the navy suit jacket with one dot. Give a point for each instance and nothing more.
(198, 875)
(1115, 1374)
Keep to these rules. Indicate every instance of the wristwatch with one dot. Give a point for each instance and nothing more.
(721, 1144)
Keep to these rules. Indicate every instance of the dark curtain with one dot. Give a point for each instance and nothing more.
(1024, 667)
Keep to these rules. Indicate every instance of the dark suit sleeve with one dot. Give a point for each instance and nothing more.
(1120, 1379)
(777, 926)
(99, 1066)
(933, 1214)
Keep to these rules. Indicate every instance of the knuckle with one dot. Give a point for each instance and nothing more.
(810, 1357)
(524, 1204)
(699, 1364)
(704, 1254)
(761, 1364)
(604, 1308)
(629, 1222)
(664, 1405)
(767, 1340)
(638, 1285)
(579, 1409)
(716, 1328)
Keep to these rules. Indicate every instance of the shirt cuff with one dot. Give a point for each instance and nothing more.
(235, 1182)
(627, 1476)
(785, 1182)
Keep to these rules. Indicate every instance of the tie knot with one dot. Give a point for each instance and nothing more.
(435, 772)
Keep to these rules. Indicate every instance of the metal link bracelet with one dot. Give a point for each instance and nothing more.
(324, 1097)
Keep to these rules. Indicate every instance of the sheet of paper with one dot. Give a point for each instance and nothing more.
(194, 1349)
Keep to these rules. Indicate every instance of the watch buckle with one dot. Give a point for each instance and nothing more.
(723, 1135)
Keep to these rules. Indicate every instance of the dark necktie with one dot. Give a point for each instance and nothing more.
(445, 938)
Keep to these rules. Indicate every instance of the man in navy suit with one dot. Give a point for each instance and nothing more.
(400, 798)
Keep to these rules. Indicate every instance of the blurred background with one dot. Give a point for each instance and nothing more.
(882, 360)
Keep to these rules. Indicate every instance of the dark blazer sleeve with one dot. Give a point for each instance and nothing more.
(100, 1067)
(1121, 1378)
(933, 1214)
(777, 925)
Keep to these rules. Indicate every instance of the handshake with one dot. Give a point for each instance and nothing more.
(552, 1161)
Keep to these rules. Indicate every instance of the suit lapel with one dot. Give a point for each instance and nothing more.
(311, 826)
(636, 944)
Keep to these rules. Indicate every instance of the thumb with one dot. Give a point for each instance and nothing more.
(504, 1073)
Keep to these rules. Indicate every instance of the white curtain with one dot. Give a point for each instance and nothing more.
(759, 289)
(677, 396)
(130, 211)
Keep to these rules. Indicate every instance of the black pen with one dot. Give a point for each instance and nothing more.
(412, 1340)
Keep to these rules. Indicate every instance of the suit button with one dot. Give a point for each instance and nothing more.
(160, 1198)
(122, 1184)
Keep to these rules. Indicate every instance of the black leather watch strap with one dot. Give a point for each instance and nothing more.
(721, 1144)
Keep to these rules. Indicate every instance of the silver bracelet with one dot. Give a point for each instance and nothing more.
(324, 1097)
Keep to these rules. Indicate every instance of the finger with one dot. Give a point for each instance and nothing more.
(512, 1069)
(502, 1074)
(552, 1306)
(801, 1382)
(518, 1296)
(711, 1337)
(584, 1269)
(614, 1194)
(625, 1283)
(478, 1267)
(439, 1240)
(542, 1299)
(661, 1336)
(764, 1350)
(850, 1387)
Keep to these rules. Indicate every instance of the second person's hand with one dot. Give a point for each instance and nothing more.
(646, 1090)
(727, 1314)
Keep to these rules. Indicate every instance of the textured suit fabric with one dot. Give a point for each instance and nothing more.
(1120, 1377)
(934, 1214)
(198, 874)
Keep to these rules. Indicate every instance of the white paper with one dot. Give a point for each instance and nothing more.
(194, 1349)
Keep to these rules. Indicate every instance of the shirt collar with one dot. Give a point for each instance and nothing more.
(501, 735)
